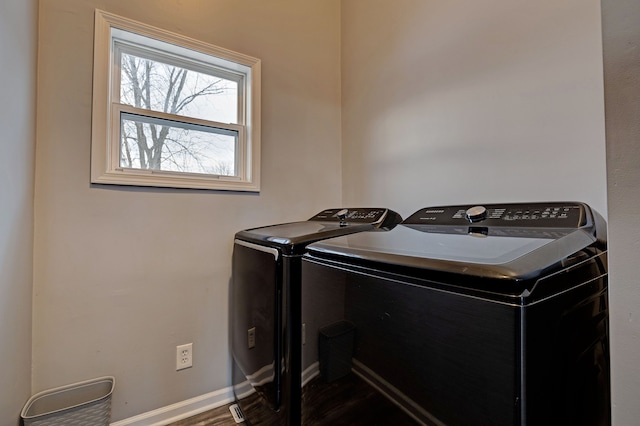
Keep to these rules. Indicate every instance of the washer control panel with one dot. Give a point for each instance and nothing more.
(521, 215)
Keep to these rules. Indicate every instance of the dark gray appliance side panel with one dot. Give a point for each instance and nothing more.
(291, 327)
(255, 305)
(568, 360)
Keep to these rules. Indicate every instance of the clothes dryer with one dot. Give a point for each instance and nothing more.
(265, 307)
(483, 315)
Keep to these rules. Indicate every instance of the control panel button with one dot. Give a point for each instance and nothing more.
(342, 214)
(476, 213)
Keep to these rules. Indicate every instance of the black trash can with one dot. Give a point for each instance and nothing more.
(335, 347)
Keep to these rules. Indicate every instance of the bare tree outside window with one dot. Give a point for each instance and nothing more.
(160, 144)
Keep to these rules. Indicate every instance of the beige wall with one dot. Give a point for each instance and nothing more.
(621, 39)
(123, 275)
(18, 37)
(472, 102)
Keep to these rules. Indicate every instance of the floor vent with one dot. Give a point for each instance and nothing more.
(236, 412)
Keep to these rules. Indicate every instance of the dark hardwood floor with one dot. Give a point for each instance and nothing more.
(217, 417)
(349, 401)
(346, 401)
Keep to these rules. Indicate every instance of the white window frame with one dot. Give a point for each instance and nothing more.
(113, 30)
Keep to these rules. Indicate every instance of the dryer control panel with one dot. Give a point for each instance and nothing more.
(353, 215)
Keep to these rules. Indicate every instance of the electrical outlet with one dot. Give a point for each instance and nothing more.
(251, 337)
(304, 333)
(184, 356)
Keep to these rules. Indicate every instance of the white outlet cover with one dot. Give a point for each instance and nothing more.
(184, 356)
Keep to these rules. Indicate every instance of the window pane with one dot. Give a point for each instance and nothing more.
(152, 143)
(157, 86)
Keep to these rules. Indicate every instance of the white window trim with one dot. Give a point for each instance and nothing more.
(104, 153)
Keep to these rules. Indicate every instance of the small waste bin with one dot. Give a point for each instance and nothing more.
(83, 403)
(335, 349)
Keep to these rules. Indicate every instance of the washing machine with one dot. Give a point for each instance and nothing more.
(265, 308)
(464, 315)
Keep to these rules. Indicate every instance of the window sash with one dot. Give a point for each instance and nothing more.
(186, 157)
(137, 114)
(153, 54)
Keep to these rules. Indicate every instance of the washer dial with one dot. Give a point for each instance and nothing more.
(476, 214)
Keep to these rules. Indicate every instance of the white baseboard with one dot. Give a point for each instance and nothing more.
(394, 395)
(312, 371)
(181, 410)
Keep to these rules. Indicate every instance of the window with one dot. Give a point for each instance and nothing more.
(171, 111)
